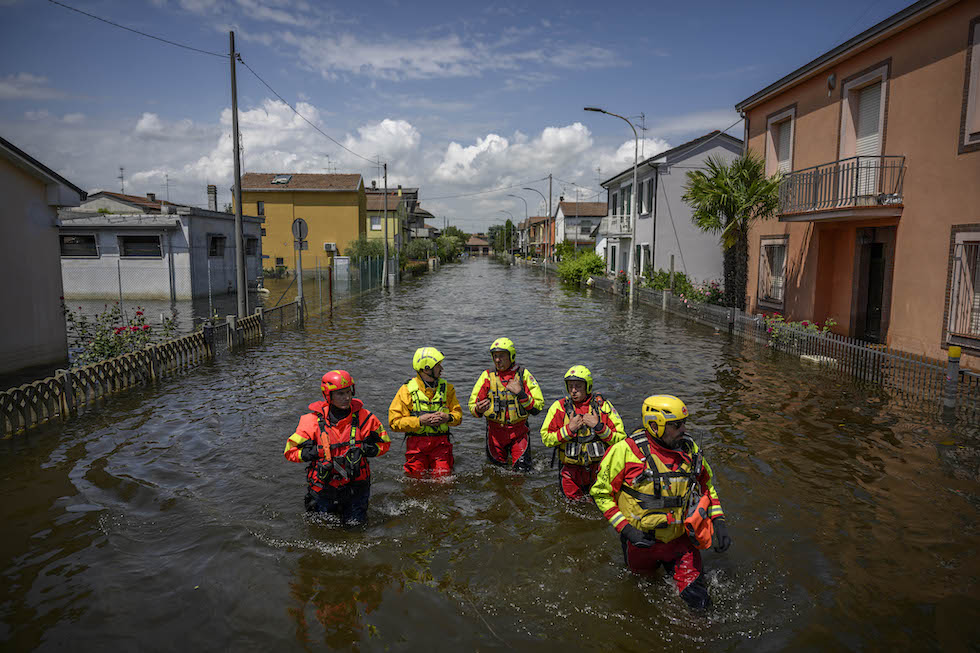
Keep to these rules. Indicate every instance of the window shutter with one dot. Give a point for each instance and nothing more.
(784, 131)
(765, 281)
(868, 135)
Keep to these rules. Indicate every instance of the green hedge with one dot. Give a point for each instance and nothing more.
(578, 268)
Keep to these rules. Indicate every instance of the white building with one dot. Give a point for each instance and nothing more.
(175, 255)
(663, 226)
(575, 222)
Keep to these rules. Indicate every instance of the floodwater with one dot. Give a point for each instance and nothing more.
(169, 518)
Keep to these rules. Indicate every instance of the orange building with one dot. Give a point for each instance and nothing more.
(879, 219)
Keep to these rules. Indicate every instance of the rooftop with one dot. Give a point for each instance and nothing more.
(584, 209)
(300, 181)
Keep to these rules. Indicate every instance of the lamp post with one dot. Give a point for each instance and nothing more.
(525, 219)
(507, 232)
(543, 199)
(636, 151)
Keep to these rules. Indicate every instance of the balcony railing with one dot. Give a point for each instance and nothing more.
(615, 224)
(857, 181)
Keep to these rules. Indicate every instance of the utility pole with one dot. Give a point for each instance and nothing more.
(122, 180)
(384, 266)
(547, 224)
(239, 231)
(166, 177)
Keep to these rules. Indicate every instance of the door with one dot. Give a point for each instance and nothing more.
(876, 288)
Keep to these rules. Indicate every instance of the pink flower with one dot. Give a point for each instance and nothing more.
(805, 323)
(146, 327)
(139, 312)
(132, 328)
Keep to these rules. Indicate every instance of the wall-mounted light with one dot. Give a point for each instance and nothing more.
(831, 83)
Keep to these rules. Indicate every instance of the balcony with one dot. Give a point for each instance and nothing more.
(869, 184)
(615, 225)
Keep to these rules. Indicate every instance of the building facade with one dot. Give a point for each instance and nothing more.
(334, 207)
(575, 222)
(397, 218)
(879, 221)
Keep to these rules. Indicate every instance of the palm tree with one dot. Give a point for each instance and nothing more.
(727, 199)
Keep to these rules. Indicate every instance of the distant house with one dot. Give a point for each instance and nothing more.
(334, 207)
(663, 226)
(538, 243)
(397, 218)
(32, 331)
(421, 229)
(574, 222)
(108, 202)
(175, 255)
(477, 246)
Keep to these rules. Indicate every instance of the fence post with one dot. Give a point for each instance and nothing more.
(731, 319)
(952, 379)
(209, 337)
(232, 322)
(154, 366)
(259, 311)
(299, 311)
(67, 393)
(330, 286)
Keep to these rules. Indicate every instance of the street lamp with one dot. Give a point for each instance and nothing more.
(525, 218)
(543, 199)
(636, 151)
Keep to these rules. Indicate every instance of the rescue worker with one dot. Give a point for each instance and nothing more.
(580, 427)
(335, 439)
(424, 408)
(507, 395)
(656, 490)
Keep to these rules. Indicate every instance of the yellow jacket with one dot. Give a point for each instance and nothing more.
(517, 407)
(400, 416)
(554, 430)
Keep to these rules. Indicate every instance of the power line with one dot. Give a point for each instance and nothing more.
(136, 31)
(283, 100)
(482, 192)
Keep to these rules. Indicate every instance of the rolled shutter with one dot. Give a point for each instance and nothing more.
(784, 133)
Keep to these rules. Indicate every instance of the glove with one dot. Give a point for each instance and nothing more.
(370, 449)
(308, 451)
(721, 531)
(637, 537)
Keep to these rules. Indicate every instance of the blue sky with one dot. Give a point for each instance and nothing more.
(458, 98)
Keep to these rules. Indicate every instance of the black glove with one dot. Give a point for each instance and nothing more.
(308, 451)
(636, 537)
(721, 532)
(370, 445)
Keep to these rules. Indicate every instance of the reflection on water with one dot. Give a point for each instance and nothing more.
(170, 518)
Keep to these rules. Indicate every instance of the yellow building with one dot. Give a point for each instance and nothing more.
(397, 217)
(334, 207)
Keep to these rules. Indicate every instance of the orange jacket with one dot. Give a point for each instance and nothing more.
(334, 440)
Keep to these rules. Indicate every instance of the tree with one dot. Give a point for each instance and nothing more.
(364, 248)
(502, 236)
(456, 232)
(728, 199)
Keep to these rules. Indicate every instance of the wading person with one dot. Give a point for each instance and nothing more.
(580, 427)
(335, 439)
(506, 396)
(425, 407)
(655, 489)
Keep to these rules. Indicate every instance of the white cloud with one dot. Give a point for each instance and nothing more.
(38, 114)
(611, 163)
(73, 118)
(25, 86)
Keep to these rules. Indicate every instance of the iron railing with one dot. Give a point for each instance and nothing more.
(847, 183)
(615, 224)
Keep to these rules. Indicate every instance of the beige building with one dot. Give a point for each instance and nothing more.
(397, 213)
(879, 220)
(334, 207)
(32, 331)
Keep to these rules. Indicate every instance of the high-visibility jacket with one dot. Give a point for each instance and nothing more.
(505, 406)
(574, 448)
(335, 442)
(414, 399)
(626, 467)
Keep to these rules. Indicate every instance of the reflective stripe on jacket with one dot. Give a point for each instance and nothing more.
(506, 407)
(622, 466)
(555, 433)
(403, 415)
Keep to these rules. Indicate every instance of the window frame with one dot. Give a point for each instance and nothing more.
(95, 242)
(119, 243)
(260, 207)
(773, 121)
(762, 298)
(849, 90)
(372, 225)
(970, 141)
(959, 235)
(214, 239)
(251, 243)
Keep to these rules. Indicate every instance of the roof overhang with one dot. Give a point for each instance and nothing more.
(845, 215)
(885, 29)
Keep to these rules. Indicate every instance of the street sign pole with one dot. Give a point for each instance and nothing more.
(300, 231)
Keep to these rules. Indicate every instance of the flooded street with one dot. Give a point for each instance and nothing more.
(169, 517)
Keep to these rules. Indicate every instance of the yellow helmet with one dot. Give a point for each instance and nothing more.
(579, 373)
(660, 409)
(426, 357)
(504, 344)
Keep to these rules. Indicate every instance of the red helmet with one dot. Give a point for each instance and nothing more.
(336, 380)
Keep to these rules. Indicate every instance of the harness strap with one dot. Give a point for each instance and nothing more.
(651, 502)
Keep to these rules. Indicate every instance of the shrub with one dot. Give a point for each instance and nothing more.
(784, 333)
(573, 269)
(416, 268)
(418, 250)
(706, 292)
(364, 248)
(107, 335)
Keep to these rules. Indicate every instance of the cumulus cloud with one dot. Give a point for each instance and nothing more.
(25, 86)
(611, 163)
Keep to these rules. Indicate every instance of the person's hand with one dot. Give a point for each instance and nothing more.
(721, 532)
(443, 417)
(308, 451)
(637, 537)
(575, 423)
(430, 419)
(483, 405)
(515, 385)
(590, 419)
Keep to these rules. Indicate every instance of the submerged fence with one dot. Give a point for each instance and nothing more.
(936, 383)
(69, 391)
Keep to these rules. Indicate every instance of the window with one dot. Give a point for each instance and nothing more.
(964, 305)
(251, 246)
(779, 141)
(970, 127)
(280, 260)
(627, 200)
(260, 208)
(613, 266)
(640, 205)
(615, 204)
(585, 229)
(375, 223)
(772, 269)
(140, 247)
(216, 246)
(263, 231)
(281, 179)
(74, 246)
(649, 195)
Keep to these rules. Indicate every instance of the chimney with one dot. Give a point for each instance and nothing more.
(374, 184)
(151, 196)
(212, 197)
(399, 188)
